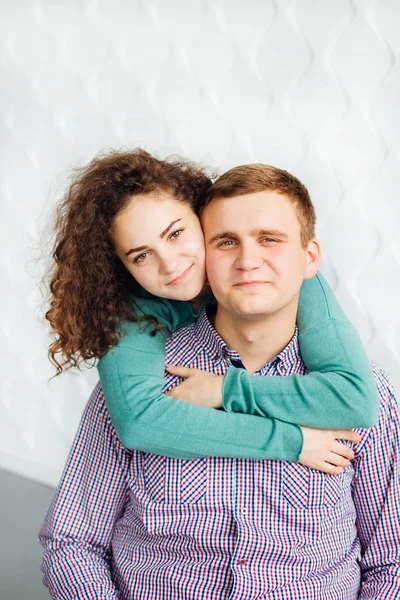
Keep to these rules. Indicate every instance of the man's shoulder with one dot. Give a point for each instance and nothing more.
(383, 382)
(97, 417)
(384, 434)
(389, 408)
(96, 403)
(182, 341)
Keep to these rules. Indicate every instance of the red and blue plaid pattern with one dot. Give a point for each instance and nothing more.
(127, 524)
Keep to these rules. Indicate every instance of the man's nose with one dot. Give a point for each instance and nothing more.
(248, 257)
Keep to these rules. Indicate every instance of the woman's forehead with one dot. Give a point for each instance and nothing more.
(148, 217)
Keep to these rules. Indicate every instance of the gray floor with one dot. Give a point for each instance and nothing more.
(23, 505)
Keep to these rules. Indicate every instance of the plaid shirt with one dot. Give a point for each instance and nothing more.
(128, 524)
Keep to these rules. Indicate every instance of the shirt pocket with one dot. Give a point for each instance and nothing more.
(307, 489)
(172, 481)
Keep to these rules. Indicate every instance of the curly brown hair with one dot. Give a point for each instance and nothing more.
(90, 290)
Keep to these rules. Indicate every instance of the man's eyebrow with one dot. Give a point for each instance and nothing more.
(222, 236)
(254, 232)
(269, 233)
(162, 234)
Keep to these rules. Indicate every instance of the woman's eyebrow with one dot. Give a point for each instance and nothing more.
(140, 249)
(169, 227)
(162, 234)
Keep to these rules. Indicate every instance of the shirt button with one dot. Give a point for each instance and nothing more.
(244, 510)
(241, 561)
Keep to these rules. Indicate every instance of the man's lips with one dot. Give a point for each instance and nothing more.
(180, 277)
(250, 283)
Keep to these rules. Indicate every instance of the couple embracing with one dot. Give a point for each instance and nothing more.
(239, 445)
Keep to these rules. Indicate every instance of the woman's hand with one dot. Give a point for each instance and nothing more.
(323, 451)
(321, 448)
(199, 387)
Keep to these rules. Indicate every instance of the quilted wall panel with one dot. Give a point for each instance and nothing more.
(309, 86)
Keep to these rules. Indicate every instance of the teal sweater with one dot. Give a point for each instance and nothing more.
(338, 392)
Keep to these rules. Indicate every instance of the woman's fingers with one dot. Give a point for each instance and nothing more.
(199, 387)
(348, 435)
(325, 451)
(342, 450)
(337, 460)
(179, 371)
(330, 469)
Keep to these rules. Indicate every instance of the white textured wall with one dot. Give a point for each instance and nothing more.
(310, 86)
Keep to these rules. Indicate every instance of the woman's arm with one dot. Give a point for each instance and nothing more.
(148, 420)
(132, 377)
(338, 392)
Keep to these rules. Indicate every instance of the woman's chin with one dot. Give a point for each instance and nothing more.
(185, 293)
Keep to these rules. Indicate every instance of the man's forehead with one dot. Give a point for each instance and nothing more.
(251, 213)
(263, 201)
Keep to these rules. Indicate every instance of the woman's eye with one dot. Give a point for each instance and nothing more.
(140, 257)
(175, 234)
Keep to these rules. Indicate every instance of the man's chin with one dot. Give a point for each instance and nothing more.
(253, 309)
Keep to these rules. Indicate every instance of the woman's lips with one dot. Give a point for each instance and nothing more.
(180, 277)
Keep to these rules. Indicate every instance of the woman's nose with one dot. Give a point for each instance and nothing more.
(168, 263)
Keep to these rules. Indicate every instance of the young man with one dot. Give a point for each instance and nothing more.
(155, 527)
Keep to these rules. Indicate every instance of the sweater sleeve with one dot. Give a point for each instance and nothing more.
(339, 390)
(132, 377)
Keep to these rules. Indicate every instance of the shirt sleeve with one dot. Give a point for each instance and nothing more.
(339, 390)
(376, 493)
(77, 531)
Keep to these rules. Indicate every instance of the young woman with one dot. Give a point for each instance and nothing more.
(117, 301)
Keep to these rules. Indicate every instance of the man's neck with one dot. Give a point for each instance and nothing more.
(257, 339)
(199, 299)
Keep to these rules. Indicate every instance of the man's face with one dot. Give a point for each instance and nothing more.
(254, 258)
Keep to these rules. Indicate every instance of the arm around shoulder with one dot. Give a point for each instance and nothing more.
(339, 391)
(154, 422)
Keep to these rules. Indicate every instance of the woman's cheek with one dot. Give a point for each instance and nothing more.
(196, 248)
(200, 242)
(143, 276)
(212, 269)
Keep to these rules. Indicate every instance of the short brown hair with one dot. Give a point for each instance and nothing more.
(249, 179)
(91, 292)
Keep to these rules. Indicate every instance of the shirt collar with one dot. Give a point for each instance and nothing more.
(207, 336)
(287, 361)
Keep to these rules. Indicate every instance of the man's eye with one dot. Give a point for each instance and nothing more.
(227, 243)
(175, 234)
(269, 240)
(140, 257)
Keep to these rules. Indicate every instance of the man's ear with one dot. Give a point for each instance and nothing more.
(313, 258)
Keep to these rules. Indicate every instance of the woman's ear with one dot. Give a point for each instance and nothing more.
(313, 258)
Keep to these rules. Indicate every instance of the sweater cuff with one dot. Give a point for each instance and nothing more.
(236, 395)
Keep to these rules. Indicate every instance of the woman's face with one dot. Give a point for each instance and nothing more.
(161, 243)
